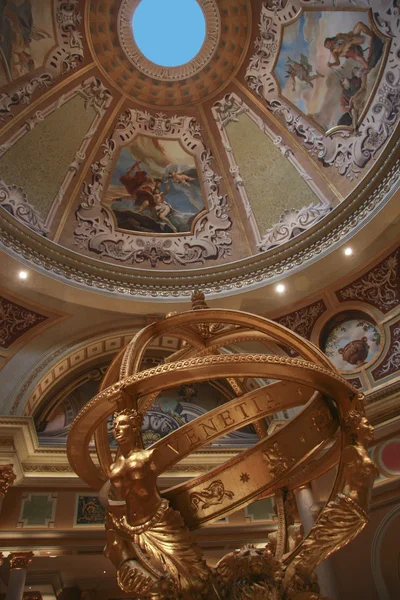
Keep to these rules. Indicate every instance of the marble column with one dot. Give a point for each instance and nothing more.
(19, 562)
(7, 478)
(305, 506)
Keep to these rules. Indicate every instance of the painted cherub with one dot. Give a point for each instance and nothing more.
(180, 177)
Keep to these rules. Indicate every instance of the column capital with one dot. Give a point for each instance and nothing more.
(20, 560)
(7, 478)
(305, 486)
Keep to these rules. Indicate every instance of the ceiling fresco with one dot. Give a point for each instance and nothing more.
(276, 141)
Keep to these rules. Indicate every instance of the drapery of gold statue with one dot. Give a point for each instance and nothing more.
(148, 533)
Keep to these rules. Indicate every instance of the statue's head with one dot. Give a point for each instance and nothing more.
(127, 424)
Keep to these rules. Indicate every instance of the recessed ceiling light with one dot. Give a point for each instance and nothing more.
(280, 288)
(348, 251)
(23, 275)
(104, 572)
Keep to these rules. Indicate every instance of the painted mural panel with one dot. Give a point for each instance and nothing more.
(328, 65)
(27, 34)
(351, 341)
(155, 187)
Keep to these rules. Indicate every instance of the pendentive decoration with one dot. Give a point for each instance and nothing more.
(126, 213)
(331, 74)
(148, 533)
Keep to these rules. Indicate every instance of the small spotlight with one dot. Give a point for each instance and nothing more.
(23, 275)
(104, 572)
(348, 251)
(280, 288)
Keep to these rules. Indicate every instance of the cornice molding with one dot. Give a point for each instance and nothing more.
(86, 272)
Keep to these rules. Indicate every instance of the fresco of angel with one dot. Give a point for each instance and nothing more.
(301, 70)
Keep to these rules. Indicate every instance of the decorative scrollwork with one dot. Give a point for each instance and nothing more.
(348, 153)
(379, 286)
(391, 363)
(292, 222)
(14, 200)
(95, 230)
(64, 58)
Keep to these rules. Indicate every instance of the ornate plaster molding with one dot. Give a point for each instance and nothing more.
(380, 286)
(84, 271)
(15, 201)
(391, 363)
(95, 230)
(146, 66)
(292, 221)
(64, 58)
(13, 198)
(303, 320)
(347, 152)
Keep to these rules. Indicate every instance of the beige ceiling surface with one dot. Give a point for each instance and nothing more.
(258, 158)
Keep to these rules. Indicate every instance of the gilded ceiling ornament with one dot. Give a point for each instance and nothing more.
(143, 524)
(15, 200)
(7, 478)
(20, 560)
(15, 321)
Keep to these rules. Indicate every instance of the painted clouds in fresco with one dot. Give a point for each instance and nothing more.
(170, 167)
(322, 100)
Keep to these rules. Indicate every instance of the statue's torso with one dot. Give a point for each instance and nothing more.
(136, 477)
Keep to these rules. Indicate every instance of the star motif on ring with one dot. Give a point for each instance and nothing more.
(244, 478)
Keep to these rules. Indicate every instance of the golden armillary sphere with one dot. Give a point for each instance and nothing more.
(148, 534)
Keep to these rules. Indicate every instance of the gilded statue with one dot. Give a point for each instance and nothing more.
(147, 532)
(150, 530)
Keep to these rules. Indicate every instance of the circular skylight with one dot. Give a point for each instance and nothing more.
(169, 33)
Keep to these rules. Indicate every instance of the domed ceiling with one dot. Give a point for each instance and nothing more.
(277, 140)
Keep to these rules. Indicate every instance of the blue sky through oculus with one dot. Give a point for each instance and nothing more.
(169, 32)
